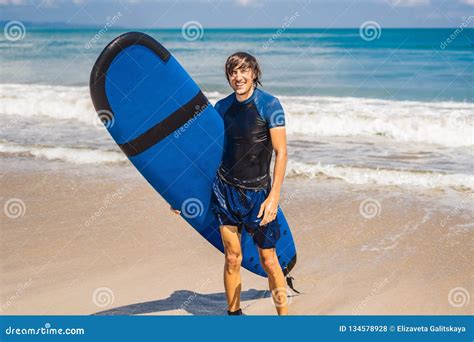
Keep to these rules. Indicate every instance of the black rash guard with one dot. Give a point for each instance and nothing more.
(247, 143)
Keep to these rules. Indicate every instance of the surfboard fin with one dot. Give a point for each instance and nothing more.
(289, 281)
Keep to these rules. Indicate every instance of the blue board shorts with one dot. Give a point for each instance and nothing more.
(239, 207)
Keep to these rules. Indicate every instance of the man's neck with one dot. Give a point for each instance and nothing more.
(247, 95)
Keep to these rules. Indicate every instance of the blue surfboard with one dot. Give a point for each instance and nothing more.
(171, 133)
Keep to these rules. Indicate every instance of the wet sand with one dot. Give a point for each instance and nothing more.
(99, 240)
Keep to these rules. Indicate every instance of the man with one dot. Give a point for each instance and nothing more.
(243, 195)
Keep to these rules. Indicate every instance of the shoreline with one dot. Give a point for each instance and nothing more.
(361, 249)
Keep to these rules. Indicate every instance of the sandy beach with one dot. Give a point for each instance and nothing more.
(97, 239)
(379, 189)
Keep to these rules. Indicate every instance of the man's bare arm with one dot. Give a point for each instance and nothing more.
(270, 207)
(278, 135)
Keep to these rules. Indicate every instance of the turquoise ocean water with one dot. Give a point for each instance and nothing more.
(396, 108)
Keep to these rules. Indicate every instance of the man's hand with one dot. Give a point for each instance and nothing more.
(176, 211)
(269, 209)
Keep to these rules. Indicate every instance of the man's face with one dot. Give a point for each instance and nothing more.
(241, 80)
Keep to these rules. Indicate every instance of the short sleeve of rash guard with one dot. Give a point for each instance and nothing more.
(273, 113)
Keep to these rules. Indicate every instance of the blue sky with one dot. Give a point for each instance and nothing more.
(242, 13)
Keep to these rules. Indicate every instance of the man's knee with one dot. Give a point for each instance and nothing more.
(233, 260)
(270, 265)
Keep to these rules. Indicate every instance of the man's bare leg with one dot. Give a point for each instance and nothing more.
(276, 279)
(233, 259)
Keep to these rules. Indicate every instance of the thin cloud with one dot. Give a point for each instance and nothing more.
(410, 3)
(13, 2)
(246, 2)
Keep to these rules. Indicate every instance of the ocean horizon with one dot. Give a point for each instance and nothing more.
(394, 107)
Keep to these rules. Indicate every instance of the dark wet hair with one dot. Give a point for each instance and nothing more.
(243, 60)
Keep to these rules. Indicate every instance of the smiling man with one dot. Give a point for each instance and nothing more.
(244, 196)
